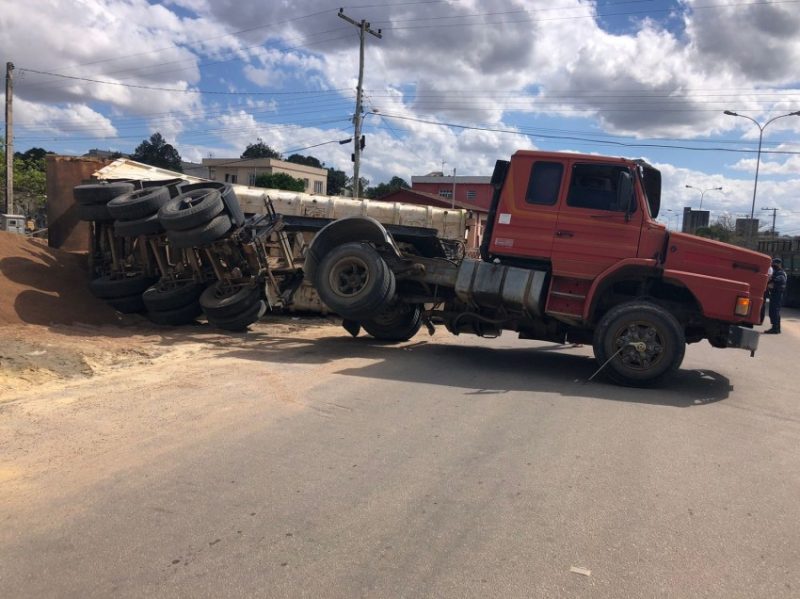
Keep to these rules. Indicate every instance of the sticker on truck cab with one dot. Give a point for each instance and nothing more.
(504, 242)
(504, 219)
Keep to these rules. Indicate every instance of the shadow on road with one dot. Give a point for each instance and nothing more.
(480, 370)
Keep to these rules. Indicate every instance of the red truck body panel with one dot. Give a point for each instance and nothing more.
(717, 273)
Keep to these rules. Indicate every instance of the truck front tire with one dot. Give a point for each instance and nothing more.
(354, 281)
(642, 342)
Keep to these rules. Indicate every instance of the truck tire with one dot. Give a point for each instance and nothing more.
(106, 287)
(129, 304)
(660, 344)
(94, 213)
(100, 193)
(224, 301)
(241, 321)
(191, 209)
(149, 225)
(206, 234)
(177, 316)
(171, 295)
(354, 281)
(399, 322)
(138, 204)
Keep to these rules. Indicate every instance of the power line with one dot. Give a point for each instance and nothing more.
(165, 89)
(484, 23)
(205, 132)
(583, 139)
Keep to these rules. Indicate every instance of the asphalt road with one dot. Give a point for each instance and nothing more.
(284, 466)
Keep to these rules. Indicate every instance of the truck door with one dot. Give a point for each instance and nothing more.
(595, 228)
(527, 212)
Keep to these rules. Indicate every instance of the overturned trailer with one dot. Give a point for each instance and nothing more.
(229, 244)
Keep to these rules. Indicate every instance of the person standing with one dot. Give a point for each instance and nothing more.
(766, 297)
(776, 286)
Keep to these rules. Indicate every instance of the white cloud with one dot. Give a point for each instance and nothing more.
(40, 121)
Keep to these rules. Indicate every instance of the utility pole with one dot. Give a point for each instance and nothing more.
(363, 27)
(9, 166)
(453, 201)
(774, 214)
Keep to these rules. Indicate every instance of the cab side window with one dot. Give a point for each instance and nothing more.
(594, 186)
(544, 183)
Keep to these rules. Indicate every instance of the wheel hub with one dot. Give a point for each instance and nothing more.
(350, 277)
(639, 345)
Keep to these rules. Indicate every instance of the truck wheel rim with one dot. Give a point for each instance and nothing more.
(349, 277)
(193, 199)
(640, 345)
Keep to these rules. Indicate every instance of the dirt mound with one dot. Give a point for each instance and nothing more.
(40, 285)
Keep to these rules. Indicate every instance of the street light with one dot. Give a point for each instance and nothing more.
(676, 214)
(760, 139)
(703, 192)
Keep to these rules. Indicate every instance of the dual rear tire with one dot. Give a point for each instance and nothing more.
(354, 281)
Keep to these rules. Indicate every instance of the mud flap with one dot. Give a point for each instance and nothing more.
(351, 326)
(743, 338)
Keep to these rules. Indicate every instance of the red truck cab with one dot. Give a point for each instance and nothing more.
(590, 221)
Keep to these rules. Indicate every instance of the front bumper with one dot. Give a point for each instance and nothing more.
(743, 338)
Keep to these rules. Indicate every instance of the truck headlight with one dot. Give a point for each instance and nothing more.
(742, 306)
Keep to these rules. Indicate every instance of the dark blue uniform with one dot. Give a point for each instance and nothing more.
(778, 282)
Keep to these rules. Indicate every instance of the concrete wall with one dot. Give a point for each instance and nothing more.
(65, 231)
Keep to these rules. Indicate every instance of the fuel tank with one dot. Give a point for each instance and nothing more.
(487, 285)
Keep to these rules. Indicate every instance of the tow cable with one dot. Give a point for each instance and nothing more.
(639, 346)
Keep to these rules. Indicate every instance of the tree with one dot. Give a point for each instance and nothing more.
(306, 160)
(363, 183)
(32, 155)
(260, 150)
(384, 189)
(280, 181)
(727, 222)
(29, 179)
(716, 231)
(337, 181)
(157, 152)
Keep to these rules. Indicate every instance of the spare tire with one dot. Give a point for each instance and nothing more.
(139, 203)
(100, 193)
(191, 209)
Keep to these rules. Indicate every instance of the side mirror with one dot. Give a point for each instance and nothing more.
(625, 197)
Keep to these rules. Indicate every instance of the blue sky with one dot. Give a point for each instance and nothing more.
(457, 83)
